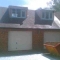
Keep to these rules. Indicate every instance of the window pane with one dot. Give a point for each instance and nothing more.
(43, 15)
(23, 13)
(47, 15)
(19, 12)
(13, 11)
(51, 15)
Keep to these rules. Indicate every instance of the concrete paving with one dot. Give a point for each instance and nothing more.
(27, 55)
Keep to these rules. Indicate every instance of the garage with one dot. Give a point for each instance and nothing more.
(19, 40)
(51, 37)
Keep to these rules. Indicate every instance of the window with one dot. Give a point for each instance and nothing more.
(50, 15)
(47, 15)
(43, 15)
(23, 13)
(14, 13)
(18, 13)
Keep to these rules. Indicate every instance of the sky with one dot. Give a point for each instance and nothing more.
(31, 4)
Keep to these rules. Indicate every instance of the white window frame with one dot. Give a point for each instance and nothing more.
(45, 16)
(21, 14)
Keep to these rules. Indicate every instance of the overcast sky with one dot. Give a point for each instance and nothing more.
(31, 4)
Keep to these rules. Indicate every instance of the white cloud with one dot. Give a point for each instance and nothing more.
(34, 4)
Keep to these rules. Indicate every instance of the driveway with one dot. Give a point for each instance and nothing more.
(27, 55)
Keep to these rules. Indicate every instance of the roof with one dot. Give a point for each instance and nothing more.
(48, 9)
(57, 14)
(29, 23)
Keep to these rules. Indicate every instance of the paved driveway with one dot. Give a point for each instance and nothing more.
(27, 55)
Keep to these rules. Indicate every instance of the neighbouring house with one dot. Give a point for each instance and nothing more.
(30, 35)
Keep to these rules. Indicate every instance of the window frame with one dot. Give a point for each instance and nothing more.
(17, 13)
(48, 14)
(23, 11)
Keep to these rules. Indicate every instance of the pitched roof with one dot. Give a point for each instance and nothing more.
(29, 23)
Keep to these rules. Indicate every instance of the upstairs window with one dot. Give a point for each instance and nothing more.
(18, 13)
(14, 13)
(47, 15)
(23, 13)
(43, 15)
(51, 15)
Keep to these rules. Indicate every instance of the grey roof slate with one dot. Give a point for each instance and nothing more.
(29, 23)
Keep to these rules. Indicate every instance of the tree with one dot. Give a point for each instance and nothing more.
(55, 4)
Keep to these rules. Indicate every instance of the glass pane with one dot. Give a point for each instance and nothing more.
(23, 13)
(19, 12)
(51, 15)
(47, 15)
(13, 11)
(43, 15)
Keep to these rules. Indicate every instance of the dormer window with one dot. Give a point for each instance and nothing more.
(47, 15)
(14, 13)
(44, 16)
(23, 13)
(18, 13)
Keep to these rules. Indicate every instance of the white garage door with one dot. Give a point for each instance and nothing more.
(51, 37)
(19, 40)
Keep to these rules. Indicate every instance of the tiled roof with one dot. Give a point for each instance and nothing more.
(29, 23)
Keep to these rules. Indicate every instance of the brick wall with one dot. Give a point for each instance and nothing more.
(3, 40)
(37, 38)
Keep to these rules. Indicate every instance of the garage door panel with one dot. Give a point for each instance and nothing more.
(20, 40)
(51, 37)
(11, 42)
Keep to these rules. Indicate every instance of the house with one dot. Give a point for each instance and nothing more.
(12, 14)
(28, 36)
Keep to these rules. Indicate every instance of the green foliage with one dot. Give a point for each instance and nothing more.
(55, 4)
